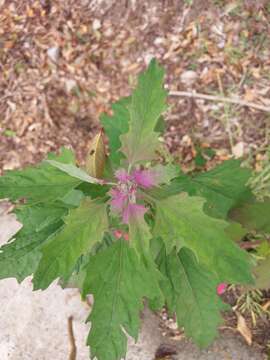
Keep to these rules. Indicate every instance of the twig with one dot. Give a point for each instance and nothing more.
(73, 351)
(219, 99)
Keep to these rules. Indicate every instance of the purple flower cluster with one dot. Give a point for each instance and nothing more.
(125, 194)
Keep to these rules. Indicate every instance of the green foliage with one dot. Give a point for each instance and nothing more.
(253, 216)
(118, 281)
(42, 183)
(20, 257)
(147, 103)
(60, 255)
(198, 311)
(223, 187)
(150, 232)
(181, 222)
(115, 126)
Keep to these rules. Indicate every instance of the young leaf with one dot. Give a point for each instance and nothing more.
(84, 227)
(20, 257)
(42, 183)
(181, 222)
(116, 125)
(139, 233)
(73, 171)
(254, 216)
(96, 157)
(190, 291)
(118, 282)
(223, 187)
(147, 104)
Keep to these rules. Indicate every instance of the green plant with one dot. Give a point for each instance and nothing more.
(128, 228)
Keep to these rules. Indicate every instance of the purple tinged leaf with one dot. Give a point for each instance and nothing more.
(122, 175)
(133, 210)
(145, 178)
(119, 199)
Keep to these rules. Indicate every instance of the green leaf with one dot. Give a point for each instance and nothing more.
(253, 216)
(84, 227)
(20, 257)
(118, 281)
(181, 222)
(73, 198)
(93, 190)
(147, 104)
(139, 233)
(73, 171)
(262, 274)
(42, 183)
(223, 187)
(235, 231)
(190, 291)
(115, 126)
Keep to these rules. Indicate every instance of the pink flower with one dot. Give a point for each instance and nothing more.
(133, 210)
(221, 288)
(124, 195)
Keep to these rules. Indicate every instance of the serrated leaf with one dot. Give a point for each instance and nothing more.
(116, 125)
(181, 222)
(96, 157)
(19, 258)
(254, 216)
(118, 282)
(147, 103)
(223, 187)
(73, 171)
(84, 227)
(42, 183)
(190, 291)
(262, 274)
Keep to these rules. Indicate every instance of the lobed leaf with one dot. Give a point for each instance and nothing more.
(42, 183)
(190, 291)
(20, 257)
(118, 281)
(181, 222)
(147, 103)
(84, 227)
(223, 187)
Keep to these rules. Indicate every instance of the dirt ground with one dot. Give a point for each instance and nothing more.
(63, 62)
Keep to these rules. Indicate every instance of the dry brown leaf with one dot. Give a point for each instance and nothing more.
(95, 161)
(266, 305)
(243, 328)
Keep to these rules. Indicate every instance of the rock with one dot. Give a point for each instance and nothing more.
(54, 53)
(96, 24)
(238, 149)
(70, 84)
(189, 77)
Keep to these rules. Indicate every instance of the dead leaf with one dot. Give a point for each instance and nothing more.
(95, 161)
(238, 150)
(243, 328)
(266, 305)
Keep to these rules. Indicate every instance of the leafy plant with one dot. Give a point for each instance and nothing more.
(128, 228)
